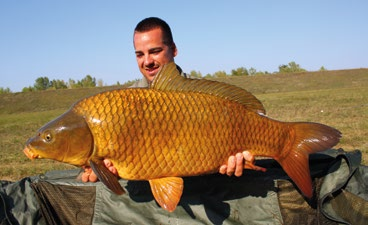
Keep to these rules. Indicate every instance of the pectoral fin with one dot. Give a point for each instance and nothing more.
(167, 191)
(106, 177)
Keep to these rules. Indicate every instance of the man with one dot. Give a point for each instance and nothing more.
(154, 47)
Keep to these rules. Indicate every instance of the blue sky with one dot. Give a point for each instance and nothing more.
(73, 38)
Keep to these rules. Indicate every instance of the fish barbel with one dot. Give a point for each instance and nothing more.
(178, 127)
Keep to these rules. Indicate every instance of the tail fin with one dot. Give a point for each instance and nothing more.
(308, 138)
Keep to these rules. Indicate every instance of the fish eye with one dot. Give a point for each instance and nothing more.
(48, 137)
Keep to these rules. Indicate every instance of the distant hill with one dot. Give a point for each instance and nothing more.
(64, 98)
(45, 100)
(303, 81)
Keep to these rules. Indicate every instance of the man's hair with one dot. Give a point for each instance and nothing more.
(151, 23)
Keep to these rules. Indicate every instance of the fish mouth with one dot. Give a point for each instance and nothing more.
(28, 152)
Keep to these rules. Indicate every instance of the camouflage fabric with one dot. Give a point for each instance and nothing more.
(341, 194)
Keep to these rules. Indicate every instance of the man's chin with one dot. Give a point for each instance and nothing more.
(150, 77)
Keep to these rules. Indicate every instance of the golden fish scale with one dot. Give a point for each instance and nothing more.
(149, 134)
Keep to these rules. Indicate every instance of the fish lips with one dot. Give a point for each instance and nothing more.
(30, 154)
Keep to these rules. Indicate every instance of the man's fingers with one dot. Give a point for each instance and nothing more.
(85, 176)
(248, 156)
(113, 170)
(223, 169)
(250, 162)
(110, 166)
(230, 166)
(88, 175)
(107, 163)
(239, 164)
(93, 177)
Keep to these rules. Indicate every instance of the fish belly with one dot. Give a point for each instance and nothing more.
(149, 134)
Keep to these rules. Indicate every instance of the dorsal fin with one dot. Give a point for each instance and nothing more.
(169, 79)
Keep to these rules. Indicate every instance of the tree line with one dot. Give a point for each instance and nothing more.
(291, 67)
(44, 83)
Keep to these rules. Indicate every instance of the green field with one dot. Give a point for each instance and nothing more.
(336, 98)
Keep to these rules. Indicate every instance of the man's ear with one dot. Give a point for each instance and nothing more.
(174, 49)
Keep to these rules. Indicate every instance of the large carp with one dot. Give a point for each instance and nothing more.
(178, 127)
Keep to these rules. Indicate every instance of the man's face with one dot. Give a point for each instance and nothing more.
(151, 52)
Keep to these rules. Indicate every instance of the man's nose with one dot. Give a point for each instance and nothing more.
(148, 60)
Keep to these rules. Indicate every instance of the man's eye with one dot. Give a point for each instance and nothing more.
(156, 51)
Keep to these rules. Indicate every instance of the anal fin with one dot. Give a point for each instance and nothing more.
(167, 191)
(106, 177)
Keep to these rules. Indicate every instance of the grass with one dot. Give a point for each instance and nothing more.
(336, 98)
(344, 109)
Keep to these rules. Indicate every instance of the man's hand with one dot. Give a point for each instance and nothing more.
(235, 164)
(90, 176)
